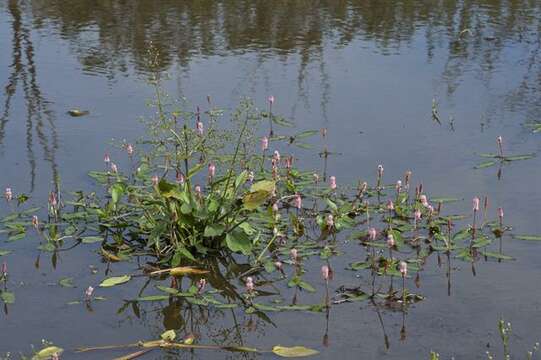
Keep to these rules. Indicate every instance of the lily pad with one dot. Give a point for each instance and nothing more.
(47, 353)
(294, 351)
(115, 280)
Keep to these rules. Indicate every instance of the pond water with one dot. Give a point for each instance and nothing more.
(369, 71)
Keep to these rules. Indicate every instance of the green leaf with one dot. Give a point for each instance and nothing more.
(115, 280)
(253, 200)
(307, 133)
(7, 297)
(16, 237)
(496, 255)
(117, 190)
(519, 157)
(528, 237)
(214, 230)
(66, 282)
(264, 185)
(238, 241)
(444, 199)
(47, 353)
(485, 164)
(194, 170)
(169, 190)
(5, 252)
(91, 239)
(169, 335)
(153, 298)
(295, 351)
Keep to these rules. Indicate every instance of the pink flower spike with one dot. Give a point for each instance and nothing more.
(4, 269)
(199, 128)
(271, 99)
(403, 267)
(275, 207)
(417, 215)
(380, 171)
(294, 254)
(106, 158)
(424, 200)
(316, 178)
(372, 233)
(35, 221)
(212, 170)
(399, 186)
(264, 143)
(88, 292)
(332, 182)
(201, 285)
(197, 190)
(500, 213)
(475, 203)
(276, 156)
(298, 201)
(390, 240)
(325, 272)
(251, 176)
(250, 284)
(8, 194)
(155, 180)
(129, 149)
(114, 168)
(279, 265)
(330, 221)
(390, 205)
(180, 178)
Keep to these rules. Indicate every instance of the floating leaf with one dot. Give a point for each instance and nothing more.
(169, 335)
(181, 270)
(519, 157)
(5, 252)
(444, 199)
(295, 351)
(7, 297)
(264, 185)
(47, 353)
(91, 239)
(485, 164)
(496, 255)
(115, 280)
(78, 112)
(66, 282)
(528, 237)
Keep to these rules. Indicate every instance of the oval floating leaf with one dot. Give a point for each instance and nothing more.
(528, 237)
(169, 335)
(115, 280)
(7, 297)
(485, 164)
(91, 239)
(295, 351)
(47, 353)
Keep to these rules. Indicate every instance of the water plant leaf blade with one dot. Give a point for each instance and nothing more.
(294, 351)
(91, 239)
(66, 282)
(5, 252)
(115, 280)
(485, 164)
(519, 157)
(47, 353)
(186, 270)
(169, 335)
(264, 185)
(528, 237)
(213, 230)
(7, 297)
(238, 241)
(253, 200)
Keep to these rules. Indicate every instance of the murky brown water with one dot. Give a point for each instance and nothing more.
(367, 70)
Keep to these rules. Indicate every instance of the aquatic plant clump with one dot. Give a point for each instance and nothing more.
(214, 206)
